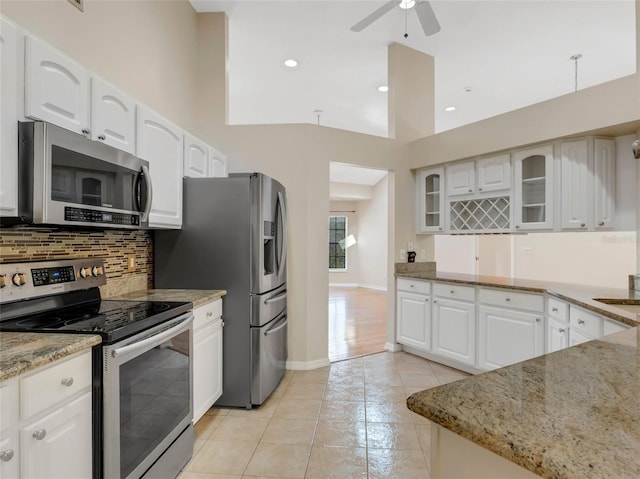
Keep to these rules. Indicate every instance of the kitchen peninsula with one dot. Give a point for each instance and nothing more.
(567, 414)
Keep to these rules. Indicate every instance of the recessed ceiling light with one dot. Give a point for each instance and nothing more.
(383, 88)
(450, 108)
(291, 63)
(407, 4)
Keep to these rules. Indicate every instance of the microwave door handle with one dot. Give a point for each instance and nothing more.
(147, 207)
(283, 215)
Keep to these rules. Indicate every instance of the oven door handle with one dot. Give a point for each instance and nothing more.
(155, 339)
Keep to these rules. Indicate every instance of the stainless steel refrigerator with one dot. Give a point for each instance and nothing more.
(234, 237)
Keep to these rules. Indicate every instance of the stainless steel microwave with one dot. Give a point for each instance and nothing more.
(67, 179)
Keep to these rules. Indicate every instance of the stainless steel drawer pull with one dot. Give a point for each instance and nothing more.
(6, 456)
(67, 382)
(581, 321)
(40, 434)
(209, 314)
(102, 137)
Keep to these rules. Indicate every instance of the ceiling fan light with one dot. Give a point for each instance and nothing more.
(407, 4)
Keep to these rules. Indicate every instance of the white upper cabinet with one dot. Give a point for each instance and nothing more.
(8, 119)
(160, 142)
(430, 200)
(113, 119)
(196, 157)
(494, 173)
(533, 199)
(56, 87)
(576, 186)
(461, 178)
(604, 158)
(218, 163)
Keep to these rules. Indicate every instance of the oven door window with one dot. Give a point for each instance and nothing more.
(155, 395)
(84, 180)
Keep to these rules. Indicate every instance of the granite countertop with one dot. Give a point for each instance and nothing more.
(22, 352)
(580, 295)
(196, 296)
(569, 414)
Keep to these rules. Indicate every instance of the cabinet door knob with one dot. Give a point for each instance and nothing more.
(102, 137)
(452, 292)
(209, 314)
(434, 301)
(517, 226)
(555, 310)
(86, 131)
(601, 223)
(479, 189)
(561, 330)
(426, 300)
(40, 434)
(581, 321)
(537, 320)
(67, 382)
(7, 455)
(507, 299)
(470, 191)
(582, 225)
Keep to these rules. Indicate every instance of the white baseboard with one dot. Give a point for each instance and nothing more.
(372, 286)
(307, 365)
(393, 347)
(357, 285)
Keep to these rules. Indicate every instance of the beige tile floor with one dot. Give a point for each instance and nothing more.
(345, 421)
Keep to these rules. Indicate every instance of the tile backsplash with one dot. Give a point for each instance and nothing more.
(38, 244)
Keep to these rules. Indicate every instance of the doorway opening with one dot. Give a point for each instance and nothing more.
(358, 227)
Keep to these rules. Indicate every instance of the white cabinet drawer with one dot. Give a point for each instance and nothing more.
(207, 313)
(54, 384)
(414, 286)
(585, 321)
(8, 404)
(453, 291)
(558, 309)
(511, 299)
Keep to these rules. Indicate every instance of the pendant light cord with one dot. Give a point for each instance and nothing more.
(575, 59)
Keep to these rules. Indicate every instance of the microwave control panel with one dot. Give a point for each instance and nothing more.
(84, 215)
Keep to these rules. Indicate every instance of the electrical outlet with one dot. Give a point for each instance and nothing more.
(131, 262)
(403, 255)
(423, 254)
(527, 251)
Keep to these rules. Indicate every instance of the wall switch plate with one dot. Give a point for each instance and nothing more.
(403, 255)
(423, 254)
(527, 251)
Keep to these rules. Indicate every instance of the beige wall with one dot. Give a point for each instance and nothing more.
(372, 242)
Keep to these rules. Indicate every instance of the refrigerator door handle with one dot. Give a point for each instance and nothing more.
(275, 299)
(283, 252)
(279, 327)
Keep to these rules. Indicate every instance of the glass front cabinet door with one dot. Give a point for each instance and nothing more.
(533, 202)
(430, 200)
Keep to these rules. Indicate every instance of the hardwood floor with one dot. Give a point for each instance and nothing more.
(357, 322)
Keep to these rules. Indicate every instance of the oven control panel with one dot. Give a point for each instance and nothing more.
(42, 278)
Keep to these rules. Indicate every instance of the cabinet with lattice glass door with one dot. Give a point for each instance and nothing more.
(430, 200)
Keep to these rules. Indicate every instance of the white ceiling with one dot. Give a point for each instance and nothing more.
(342, 173)
(512, 53)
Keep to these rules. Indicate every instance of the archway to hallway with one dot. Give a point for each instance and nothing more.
(358, 243)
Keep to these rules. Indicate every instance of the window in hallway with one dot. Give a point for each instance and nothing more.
(337, 252)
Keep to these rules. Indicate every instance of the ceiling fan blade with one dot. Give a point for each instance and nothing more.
(369, 19)
(427, 18)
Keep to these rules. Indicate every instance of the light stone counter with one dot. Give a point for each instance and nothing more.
(196, 296)
(22, 352)
(570, 414)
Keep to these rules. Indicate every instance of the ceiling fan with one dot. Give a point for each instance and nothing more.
(427, 18)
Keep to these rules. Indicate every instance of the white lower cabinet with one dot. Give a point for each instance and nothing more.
(454, 330)
(46, 421)
(557, 335)
(207, 357)
(508, 336)
(414, 320)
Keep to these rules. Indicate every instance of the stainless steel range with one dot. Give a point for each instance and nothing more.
(142, 371)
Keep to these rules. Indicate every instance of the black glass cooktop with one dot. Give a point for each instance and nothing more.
(112, 319)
